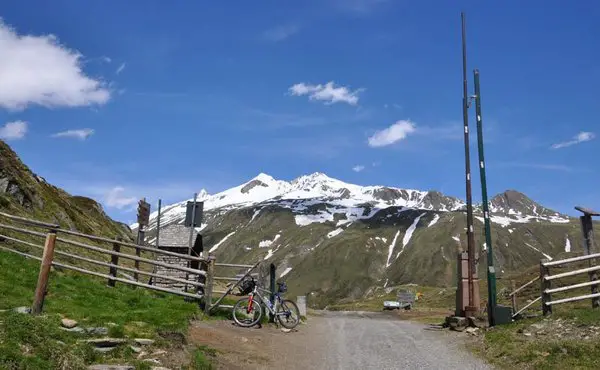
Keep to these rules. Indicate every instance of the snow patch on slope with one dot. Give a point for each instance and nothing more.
(534, 248)
(268, 243)
(411, 230)
(285, 272)
(391, 249)
(520, 219)
(256, 213)
(434, 221)
(305, 220)
(409, 233)
(214, 248)
(335, 232)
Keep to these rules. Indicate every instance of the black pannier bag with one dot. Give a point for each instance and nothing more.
(246, 286)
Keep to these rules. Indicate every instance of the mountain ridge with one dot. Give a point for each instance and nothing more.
(507, 206)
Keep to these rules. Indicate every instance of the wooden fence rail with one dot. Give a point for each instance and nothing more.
(516, 311)
(547, 278)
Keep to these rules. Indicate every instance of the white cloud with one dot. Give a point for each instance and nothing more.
(577, 139)
(358, 168)
(39, 70)
(80, 134)
(281, 33)
(396, 132)
(328, 93)
(538, 166)
(121, 68)
(116, 198)
(13, 130)
(361, 7)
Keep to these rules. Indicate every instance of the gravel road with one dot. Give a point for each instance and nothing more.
(338, 340)
(378, 341)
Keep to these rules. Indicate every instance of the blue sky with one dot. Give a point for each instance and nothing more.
(161, 100)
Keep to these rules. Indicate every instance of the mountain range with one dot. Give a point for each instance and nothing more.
(338, 240)
(328, 238)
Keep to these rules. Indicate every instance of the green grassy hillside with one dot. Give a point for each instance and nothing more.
(28, 342)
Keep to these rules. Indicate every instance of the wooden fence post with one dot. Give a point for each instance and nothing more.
(140, 241)
(45, 266)
(513, 287)
(115, 261)
(208, 285)
(545, 284)
(588, 239)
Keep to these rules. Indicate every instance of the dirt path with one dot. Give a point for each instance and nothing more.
(336, 341)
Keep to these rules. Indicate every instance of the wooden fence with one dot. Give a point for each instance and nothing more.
(16, 232)
(547, 279)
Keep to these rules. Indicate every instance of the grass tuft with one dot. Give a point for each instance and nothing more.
(202, 358)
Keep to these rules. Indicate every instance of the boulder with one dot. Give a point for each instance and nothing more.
(106, 342)
(143, 341)
(23, 309)
(68, 323)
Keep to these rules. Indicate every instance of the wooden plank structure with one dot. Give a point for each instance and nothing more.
(546, 278)
(52, 248)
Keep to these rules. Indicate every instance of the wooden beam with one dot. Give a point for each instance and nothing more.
(30, 221)
(46, 265)
(135, 258)
(587, 211)
(572, 259)
(115, 262)
(233, 265)
(210, 273)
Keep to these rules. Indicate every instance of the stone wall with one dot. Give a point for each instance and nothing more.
(175, 261)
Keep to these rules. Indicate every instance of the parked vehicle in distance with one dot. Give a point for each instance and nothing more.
(405, 300)
(391, 305)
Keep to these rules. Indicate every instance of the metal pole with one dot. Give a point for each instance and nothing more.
(158, 223)
(470, 236)
(491, 273)
(191, 241)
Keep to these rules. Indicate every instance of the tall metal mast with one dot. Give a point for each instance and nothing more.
(470, 236)
(491, 272)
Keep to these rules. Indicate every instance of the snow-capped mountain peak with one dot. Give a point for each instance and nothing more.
(340, 197)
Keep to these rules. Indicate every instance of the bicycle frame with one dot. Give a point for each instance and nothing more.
(256, 294)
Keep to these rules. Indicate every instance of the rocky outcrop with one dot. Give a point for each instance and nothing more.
(251, 185)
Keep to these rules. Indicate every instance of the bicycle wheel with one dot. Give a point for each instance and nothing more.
(246, 318)
(288, 314)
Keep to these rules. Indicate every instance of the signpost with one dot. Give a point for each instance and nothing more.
(158, 223)
(194, 213)
(193, 218)
(143, 218)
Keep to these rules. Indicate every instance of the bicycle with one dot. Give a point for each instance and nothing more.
(251, 313)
